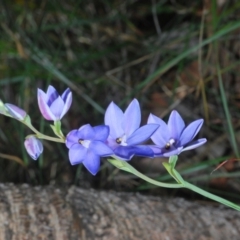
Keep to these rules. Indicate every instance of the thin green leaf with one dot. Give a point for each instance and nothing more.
(227, 113)
(225, 30)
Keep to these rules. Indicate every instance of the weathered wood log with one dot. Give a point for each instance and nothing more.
(49, 213)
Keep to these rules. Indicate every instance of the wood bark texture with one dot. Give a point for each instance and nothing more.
(50, 213)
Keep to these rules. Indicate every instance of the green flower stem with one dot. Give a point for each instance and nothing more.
(154, 182)
(42, 136)
(173, 172)
(211, 196)
(123, 165)
(27, 122)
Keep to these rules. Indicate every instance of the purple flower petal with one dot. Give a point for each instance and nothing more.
(162, 152)
(112, 143)
(124, 152)
(162, 134)
(44, 108)
(127, 152)
(34, 147)
(86, 132)
(142, 134)
(176, 125)
(51, 95)
(195, 144)
(66, 94)
(132, 118)
(15, 111)
(57, 107)
(190, 132)
(172, 152)
(101, 148)
(101, 132)
(92, 162)
(77, 154)
(67, 103)
(156, 149)
(144, 151)
(72, 138)
(114, 118)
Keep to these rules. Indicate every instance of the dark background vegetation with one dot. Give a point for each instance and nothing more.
(174, 54)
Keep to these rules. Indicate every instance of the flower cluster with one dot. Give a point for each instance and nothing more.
(120, 137)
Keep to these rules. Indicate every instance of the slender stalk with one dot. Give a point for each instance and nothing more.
(42, 136)
(211, 196)
(123, 165)
(160, 184)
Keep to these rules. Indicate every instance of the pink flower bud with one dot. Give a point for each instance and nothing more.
(33, 146)
(15, 111)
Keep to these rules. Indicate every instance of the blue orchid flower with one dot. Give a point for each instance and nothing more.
(87, 144)
(174, 137)
(125, 134)
(52, 106)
